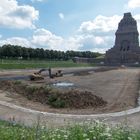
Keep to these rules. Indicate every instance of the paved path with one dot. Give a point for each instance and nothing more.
(11, 112)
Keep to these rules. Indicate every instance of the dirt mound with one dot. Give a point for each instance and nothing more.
(55, 98)
(81, 99)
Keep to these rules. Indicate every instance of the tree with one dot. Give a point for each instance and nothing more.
(15, 51)
(25, 53)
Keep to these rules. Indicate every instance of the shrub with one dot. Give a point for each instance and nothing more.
(17, 82)
(47, 89)
(58, 103)
(31, 89)
(52, 98)
(55, 101)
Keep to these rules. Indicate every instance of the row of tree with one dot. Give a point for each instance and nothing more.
(15, 51)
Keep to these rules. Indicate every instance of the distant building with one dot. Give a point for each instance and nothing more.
(126, 49)
(88, 60)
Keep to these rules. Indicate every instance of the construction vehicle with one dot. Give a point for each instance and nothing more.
(35, 77)
(57, 74)
(38, 76)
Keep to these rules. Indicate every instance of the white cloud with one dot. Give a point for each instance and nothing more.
(101, 50)
(133, 4)
(73, 43)
(100, 24)
(16, 41)
(98, 34)
(61, 16)
(13, 15)
(48, 40)
(92, 42)
(86, 40)
(45, 38)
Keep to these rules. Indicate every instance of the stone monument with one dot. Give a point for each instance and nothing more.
(126, 49)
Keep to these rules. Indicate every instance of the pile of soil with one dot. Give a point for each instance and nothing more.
(55, 98)
(81, 99)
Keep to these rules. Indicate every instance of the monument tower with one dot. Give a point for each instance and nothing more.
(126, 48)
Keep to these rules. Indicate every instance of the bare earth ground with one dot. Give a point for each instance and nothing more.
(118, 87)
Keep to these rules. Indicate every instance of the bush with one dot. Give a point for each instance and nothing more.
(52, 98)
(47, 89)
(58, 103)
(17, 82)
(55, 101)
(31, 89)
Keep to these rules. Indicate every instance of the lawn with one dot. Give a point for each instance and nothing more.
(92, 131)
(29, 64)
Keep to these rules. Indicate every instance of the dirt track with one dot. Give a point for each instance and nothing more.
(118, 87)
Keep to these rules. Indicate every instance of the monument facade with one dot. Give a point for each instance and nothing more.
(126, 48)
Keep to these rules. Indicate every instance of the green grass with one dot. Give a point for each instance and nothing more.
(29, 64)
(92, 131)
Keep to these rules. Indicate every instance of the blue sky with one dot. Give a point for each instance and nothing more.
(64, 24)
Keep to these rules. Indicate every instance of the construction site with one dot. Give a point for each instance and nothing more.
(72, 90)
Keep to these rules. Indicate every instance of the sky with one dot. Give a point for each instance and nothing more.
(79, 25)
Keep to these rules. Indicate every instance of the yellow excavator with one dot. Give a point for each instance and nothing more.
(37, 75)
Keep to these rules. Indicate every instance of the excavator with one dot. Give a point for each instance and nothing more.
(37, 75)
